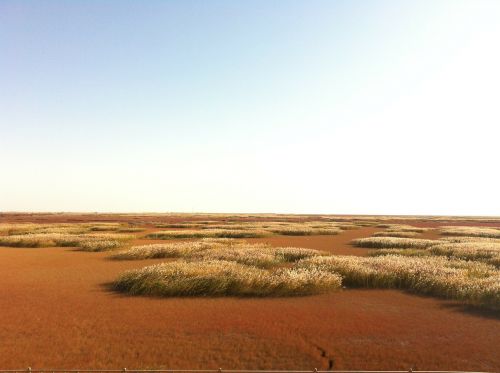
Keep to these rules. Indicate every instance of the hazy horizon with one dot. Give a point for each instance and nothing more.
(327, 107)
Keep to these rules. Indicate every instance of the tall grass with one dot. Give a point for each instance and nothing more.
(488, 252)
(402, 234)
(62, 228)
(471, 231)
(252, 229)
(305, 231)
(393, 242)
(88, 242)
(402, 228)
(223, 278)
(260, 255)
(467, 281)
(210, 233)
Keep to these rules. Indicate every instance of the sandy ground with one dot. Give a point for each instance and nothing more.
(56, 312)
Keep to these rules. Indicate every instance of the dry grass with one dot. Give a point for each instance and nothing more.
(207, 233)
(469, 239)
(488, 252)
(402, 228)
(471, 232)
(305, 230)
(260, 255)
(223, 278)
(64, 228)
(467, 281)
(485, 250)
(257, 229)
(393, 242)
(88, 242)
(401, 234)
(400, 252)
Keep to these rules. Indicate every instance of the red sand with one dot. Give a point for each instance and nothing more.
(56, 312)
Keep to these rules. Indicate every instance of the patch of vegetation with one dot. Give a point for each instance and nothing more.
(467, 281)
(471, 231)
(393, 242)
(206, 233)
(89, 242)
(259, 255)
(223, 278)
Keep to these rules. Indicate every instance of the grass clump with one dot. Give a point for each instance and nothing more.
(207, 233)
(402, 228)
(483, 251)
(471, 231)
(401, 234)
(223, 278)
(305, 231)
(88, 242)
(393, 242)
(400, 252)
(259, 255)
(467, 281)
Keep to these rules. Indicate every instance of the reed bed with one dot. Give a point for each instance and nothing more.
(305, 231)
(88, 242)
(62, 228)
(402, 228)
(265, 228)
(224, 278)
(396, 234)
(259, 255)
(393, 242)
(467, 281)
(400, 252)
(483, 251)
(469, 239)
(471, 231)
(207, 233)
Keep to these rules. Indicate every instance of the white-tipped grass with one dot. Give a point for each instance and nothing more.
(130, 230)
(304, 231)
(103, 226)
(88, 242)
(207, 233)
(260, 255)
(12, 228)
(63, 228)
(258, 229)
(179, 225)
(469, 239)
(223, 278)
(393, 242)
(483, 251)
(401, 252)
(471, 231)
(18, 229)
(402, 228)
(401, 234)
(467, 281)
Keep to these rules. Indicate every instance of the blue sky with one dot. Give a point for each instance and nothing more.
(372, 107)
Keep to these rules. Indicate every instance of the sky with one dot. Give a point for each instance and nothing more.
(338, 107)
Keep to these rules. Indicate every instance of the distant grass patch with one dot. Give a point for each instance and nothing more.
(305, 231)
(402, 228)
(471, 232)
(400, 252)
(223, 278)
(396, 234)
(87, 242)
(207, 233)
(393, 242)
